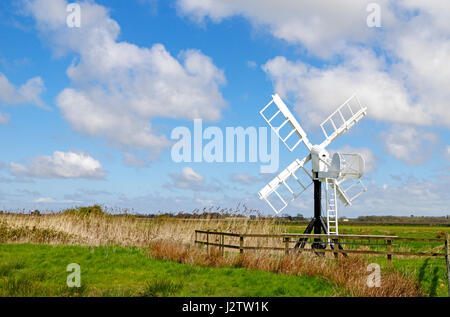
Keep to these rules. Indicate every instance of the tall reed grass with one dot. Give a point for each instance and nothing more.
(349, 273)
(93, 226)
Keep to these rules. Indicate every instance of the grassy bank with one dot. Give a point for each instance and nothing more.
(40, 270)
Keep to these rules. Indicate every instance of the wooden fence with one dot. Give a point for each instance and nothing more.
(286, 241)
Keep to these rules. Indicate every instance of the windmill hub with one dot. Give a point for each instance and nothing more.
(332, 172)
(319, 159)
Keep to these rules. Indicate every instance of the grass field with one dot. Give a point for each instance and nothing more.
(40, 270)
(113, 254)
(403, 231)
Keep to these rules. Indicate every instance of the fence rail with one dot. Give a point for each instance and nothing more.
(217, 239)
(291, 238)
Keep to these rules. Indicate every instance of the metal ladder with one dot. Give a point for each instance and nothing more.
(332, 214)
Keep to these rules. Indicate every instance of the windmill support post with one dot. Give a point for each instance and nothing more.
(317, 224)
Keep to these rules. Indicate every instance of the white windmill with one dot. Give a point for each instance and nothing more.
(290, 183)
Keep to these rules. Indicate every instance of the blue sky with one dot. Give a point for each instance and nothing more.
(86, 113)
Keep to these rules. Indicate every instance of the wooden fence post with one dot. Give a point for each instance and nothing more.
(241, 244)
(223, 244)
(336, 245)
(389, 256)
(447, 260)
(286, 244)
(207, 241)
(196, 241)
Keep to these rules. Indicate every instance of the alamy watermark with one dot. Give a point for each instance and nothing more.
(374, 18)
(374, 278)
(234, 145)
(74, 278)
(73, 19)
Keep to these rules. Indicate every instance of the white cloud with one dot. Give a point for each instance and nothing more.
(28, 93)
(318, 92)
(129, 159)
(321, 26)
(60, 165)
(118, 87)
(189, 179)
(245, 178)
(49, 200)
(447, 152)
(436, 12)
(411, 197)
(410, 145)
(421, 44)
(4, 118)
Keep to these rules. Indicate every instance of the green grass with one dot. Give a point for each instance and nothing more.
(404, 231)
(430, 272)
(418, 232)
(40, 270)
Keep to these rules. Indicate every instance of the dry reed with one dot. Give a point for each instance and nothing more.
(123, 230)
(348, 273)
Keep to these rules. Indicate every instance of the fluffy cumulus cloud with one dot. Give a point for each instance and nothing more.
(314, 24)
(118, 87)
(319, 91)
(27, 93)
(189, 179)
(60, 165)
(408, 144)
(421, 46)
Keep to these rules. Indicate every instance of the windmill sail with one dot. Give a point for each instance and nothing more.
(345, 117)
(284, 124)
(278, 197)
(348, 194)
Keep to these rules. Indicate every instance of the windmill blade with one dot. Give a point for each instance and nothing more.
(350, 193)
(293, 185)
(284, 124)
(345, 117)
